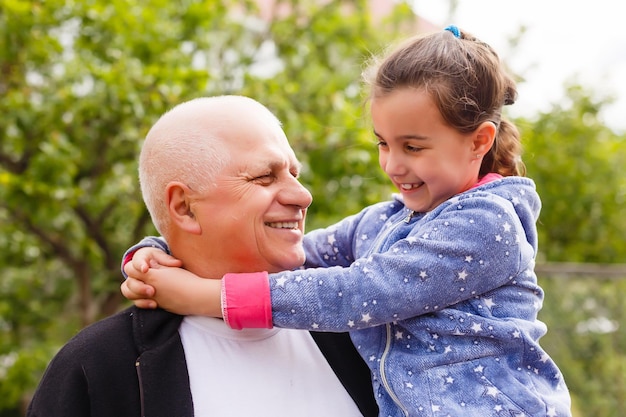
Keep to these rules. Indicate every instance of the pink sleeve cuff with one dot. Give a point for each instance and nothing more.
(246, 300)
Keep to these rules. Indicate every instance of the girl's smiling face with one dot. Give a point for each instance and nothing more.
(426, 159)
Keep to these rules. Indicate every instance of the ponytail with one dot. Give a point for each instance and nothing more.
(504, 157)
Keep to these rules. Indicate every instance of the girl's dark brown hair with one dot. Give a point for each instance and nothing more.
(468, 83)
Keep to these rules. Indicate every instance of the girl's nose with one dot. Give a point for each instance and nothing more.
(392, 164)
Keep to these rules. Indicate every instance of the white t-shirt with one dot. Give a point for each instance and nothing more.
(259, 372)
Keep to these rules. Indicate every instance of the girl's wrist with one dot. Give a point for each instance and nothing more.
(210, 298)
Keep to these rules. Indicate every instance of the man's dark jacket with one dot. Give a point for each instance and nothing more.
(133, 364)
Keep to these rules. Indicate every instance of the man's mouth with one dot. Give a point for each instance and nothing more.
(283, 225)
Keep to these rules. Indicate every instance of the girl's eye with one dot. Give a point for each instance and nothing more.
(413, 148)
(381, 144)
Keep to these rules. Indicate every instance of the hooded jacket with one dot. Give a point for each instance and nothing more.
(133, 364)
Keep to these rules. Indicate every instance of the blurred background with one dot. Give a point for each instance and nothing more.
(81, 82)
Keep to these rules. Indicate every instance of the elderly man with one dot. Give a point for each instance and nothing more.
(218, 177)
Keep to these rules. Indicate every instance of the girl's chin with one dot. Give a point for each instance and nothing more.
(418, 206)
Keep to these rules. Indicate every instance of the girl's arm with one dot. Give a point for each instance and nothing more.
(148, 266)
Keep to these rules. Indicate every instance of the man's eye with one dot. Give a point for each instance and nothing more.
(264, 179)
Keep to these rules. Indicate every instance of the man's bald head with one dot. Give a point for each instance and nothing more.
(185, 145)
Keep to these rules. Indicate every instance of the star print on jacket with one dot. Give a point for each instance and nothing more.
(441, 305)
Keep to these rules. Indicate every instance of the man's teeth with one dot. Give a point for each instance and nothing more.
(408, 186)
(284, 225)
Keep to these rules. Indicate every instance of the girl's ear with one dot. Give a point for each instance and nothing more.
(484, 136)
(178, 202)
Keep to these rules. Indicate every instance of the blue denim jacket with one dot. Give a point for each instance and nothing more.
(441, 305)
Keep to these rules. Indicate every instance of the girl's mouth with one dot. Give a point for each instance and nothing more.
(408, 187)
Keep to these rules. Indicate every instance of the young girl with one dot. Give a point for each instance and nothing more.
(437, 286)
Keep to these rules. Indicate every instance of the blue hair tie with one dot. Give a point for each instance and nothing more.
(454, 30)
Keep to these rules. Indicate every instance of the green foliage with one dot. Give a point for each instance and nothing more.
(584, 318)
(19, 373)
(578, 165)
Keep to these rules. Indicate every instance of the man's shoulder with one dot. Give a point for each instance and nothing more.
(101, 334)
(145, 328)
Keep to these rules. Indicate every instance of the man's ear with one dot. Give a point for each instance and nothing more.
(483, 139)
(177, 196)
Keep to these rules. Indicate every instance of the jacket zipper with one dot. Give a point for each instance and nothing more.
(381, 367)
(379, 239)
(383, 376)
(141, 399)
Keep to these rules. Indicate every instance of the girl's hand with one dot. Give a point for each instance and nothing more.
(143, 259)
(174, 289)
(139, 293)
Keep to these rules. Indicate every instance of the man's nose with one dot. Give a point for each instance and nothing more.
(294, 193)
